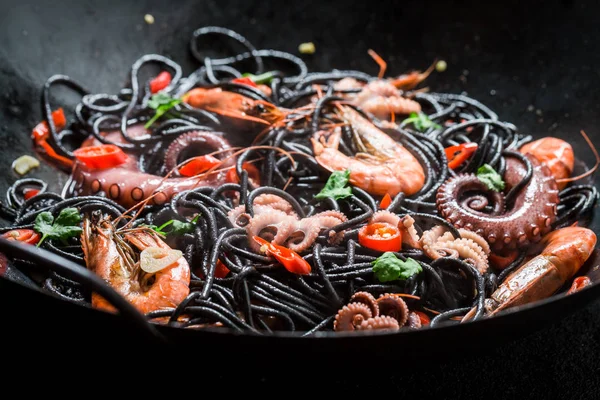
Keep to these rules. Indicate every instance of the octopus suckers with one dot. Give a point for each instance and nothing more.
(95, 186)
(137, 194)
(114, 191)
(160, 198)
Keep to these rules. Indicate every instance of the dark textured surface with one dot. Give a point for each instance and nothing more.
(514, 57)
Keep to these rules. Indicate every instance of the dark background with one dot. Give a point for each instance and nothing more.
(537, 64)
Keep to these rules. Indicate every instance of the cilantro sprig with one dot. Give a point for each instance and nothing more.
(420, 121)
(388, 267)
(162, 103)
(265, 78)
(176, 227)
(336, 186)
(488, 175)
(65, 226)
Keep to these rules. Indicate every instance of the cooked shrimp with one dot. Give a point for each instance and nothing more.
(233, 105)
(383, 166)
(111, 255)
(565, 251)
(556, 154)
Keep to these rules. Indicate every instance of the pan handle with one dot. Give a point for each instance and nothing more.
(86, 277)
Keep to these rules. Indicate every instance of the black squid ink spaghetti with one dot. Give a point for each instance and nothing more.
(288, 200)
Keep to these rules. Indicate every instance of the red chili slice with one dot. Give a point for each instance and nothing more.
(221, 271)
(161, 81)
(253, 174)
(244, 81)
(28, 236)
(29, 193)
(100, 157)
(380, 236)
(459, 154)
(286, 257)
(199, 165)
(424, 317)
(385, 202)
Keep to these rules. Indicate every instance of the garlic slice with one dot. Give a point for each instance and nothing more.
(154, 259)
(24, 164)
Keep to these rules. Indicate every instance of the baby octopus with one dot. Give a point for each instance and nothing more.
(274, 220)
(364, 312)
(462, 200)
(436, 243)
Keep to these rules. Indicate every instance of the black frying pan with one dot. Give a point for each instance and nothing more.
(503, 55)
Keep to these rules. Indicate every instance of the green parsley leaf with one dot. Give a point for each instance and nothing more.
(65, 226)
(336, 186)
(490, 177)
(421, 122)
(388, 267)
(265, 78)
(177, 227)
(162, 103)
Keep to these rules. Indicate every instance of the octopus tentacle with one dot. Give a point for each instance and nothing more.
(328, 222)
(386, 216)
(510, 226)
(414, 321)
(393, 306)
(429, 239)
(275, 226)
(466, 234)
(275, 202)
(436, 245)
(238, 216)
(205, 140)
(331, 213)
(367, 299)
(466, 248)
(349, 317)
(410, 237)
(379, 323)
(306, 231)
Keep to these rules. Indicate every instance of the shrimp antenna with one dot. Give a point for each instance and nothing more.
(589, 171)
(380, 61)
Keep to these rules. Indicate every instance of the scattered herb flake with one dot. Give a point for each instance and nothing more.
(264, 78)
(65, 226)
(490, 177)
(336, 186)
(162, 103)
(421, 122)
(388, 267)
(177, 227)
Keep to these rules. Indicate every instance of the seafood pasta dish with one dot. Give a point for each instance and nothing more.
(257, 196)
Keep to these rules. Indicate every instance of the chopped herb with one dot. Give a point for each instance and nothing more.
(388, 267)
(490, 177)
(177, 227)
(65, 226)
(336, 186)
(265, 78)
(162, 103)
(421, 122)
